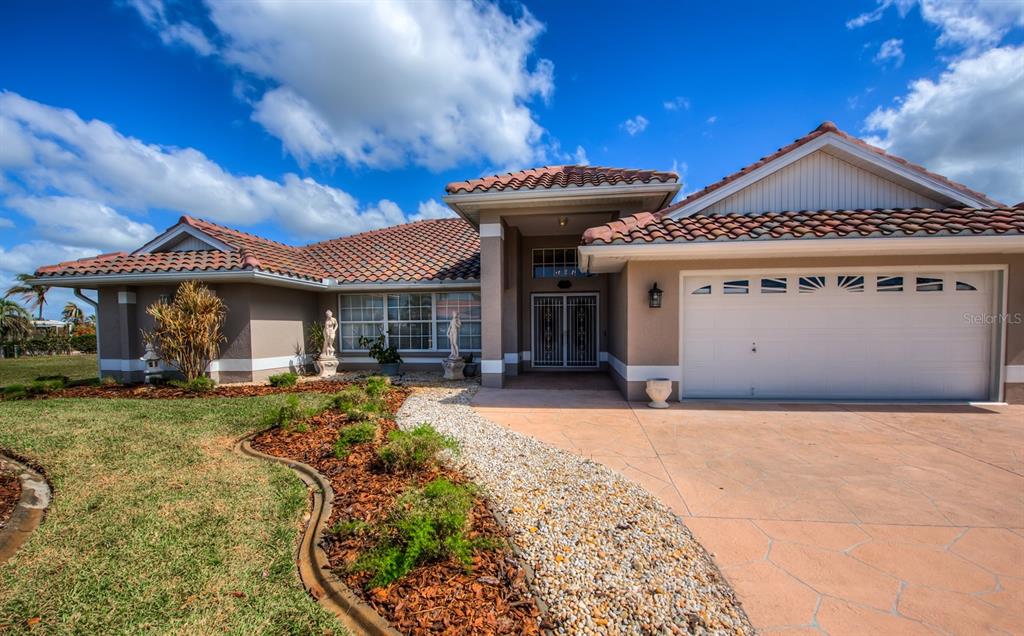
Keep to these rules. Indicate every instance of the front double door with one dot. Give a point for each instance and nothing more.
(565, 331)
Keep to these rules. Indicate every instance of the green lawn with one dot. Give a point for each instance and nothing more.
(28, 368)
(157, 526)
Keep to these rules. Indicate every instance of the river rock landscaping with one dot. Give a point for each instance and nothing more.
(410, 535)
(608, 557)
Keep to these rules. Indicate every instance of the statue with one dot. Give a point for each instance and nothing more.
(453, 336)
(454, 365)
(327, 364)
(330, 331)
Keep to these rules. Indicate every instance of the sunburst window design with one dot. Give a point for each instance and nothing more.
(962, 286)
(773, 285)
(929, 284)
(851, 283)
(701, 291)
(810, 284)
(736, 286)
(887, 283)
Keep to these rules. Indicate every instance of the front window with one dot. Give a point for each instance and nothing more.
(556, 262)
(410, 321)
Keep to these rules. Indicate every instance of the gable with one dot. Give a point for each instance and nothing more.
(185, 243)
(821, 181)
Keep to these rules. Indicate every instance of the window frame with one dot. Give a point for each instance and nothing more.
(577, 273)
(383, 325)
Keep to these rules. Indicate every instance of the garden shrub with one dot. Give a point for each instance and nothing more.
(86, 343)
(350, 396)
(15, 392)
(187, 332)
(288, 416)
(62, 379)
(415, 449)
(351, 435)
(283, 379)
(201, 384)
(39, 386)
(377, 386)
(426, 524)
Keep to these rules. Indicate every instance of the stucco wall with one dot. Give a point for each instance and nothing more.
(654, 333)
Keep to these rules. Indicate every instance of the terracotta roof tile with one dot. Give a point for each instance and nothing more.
(442, 249)
(559, 176)
(648, 228)
(823, 129)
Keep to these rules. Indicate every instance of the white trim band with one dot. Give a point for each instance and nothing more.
(511, 358)
(642, 373)
(492, 230)
(1014, 373)
(492, 366)
(125, 298)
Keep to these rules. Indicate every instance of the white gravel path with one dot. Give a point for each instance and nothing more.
(608, 557)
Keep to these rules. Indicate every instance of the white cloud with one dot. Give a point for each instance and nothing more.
(5, 222)
(636, 125)
(81, 223)
(154, 14)
(580, 156)
(432, 209)
(890, 52)
(383, 84)
(971, 24)
(965, 125)
(89, 160)
(712, 119)
(26, 257)
(679, 103)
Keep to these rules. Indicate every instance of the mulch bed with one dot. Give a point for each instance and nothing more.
(167, 392)
(10, 493)
(435, 598)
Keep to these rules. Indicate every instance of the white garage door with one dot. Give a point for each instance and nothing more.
(849, 335)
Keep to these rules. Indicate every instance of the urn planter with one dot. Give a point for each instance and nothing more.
(658, 389)
(390, 368)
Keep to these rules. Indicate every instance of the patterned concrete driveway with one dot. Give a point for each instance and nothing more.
(836, 519)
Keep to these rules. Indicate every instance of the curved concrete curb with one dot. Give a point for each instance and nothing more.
(314, 568)
(28, 514)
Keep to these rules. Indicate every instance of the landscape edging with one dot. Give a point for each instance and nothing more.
(313, 565)
(36, 496)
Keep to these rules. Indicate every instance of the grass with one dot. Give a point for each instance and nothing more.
(157, 525)
(25, 369)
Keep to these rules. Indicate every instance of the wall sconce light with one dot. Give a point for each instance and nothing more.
(563, 221)
(654, 296)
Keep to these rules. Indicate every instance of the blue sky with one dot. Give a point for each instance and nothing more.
(318, 120)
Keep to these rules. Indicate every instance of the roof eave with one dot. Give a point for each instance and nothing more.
(607, 258)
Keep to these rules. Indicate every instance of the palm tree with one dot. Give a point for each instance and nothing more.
(34, 295)
(15, 323)
(72, 313)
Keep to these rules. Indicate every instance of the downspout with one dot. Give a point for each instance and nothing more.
(95, 305)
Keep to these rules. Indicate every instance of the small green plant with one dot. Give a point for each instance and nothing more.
(350, 396)
(288, 416)
(201, 384)
(351, 435)
(348, 528)
(62, 379)
(412, 450)
(15, 392)
(315, 338)
(426, 524)
(377, 386)
(379, 351)
(283, 379)
(109, 380)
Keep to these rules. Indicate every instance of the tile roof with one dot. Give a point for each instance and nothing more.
(647, 227)
(559, 176)
(442, 249)
(823, 129)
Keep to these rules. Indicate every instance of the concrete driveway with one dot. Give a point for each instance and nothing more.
(837, 519)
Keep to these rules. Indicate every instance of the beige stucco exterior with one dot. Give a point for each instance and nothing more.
(642, 336)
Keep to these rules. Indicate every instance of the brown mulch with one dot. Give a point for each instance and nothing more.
(10, 493)
(435, 598)
(167, 392)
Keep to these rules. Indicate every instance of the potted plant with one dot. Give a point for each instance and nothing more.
(471, 367)
(387, 356)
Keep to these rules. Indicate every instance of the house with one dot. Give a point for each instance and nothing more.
(828, 269)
